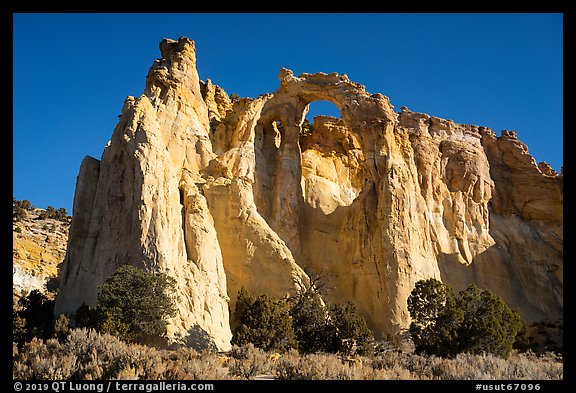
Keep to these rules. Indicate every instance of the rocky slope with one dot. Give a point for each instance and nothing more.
(223, 194)
(38, 248)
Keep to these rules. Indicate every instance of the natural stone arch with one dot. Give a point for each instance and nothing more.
(332, 164)
(322, 108)
(280, 200)
(392, 235)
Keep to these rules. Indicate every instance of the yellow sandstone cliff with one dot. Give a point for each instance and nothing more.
(222, 194)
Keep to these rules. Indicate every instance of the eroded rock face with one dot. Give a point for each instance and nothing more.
(38, 247)
(143, 205)
(223, 194)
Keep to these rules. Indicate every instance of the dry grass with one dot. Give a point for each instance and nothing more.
(84, 354)
(247, 362)
(87, 355)
(468, 367)
(315, 366)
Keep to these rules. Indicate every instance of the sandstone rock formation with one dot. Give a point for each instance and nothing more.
(38, 248)
(223, 194)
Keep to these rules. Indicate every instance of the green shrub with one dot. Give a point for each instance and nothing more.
(18, 214)
(307, 128)
(52, 213)
(435, 318)
(85, 317)
(477, 321)
(20, 209)
(234, 97)
(61, 214)
(62, 328)
(489, 325)
(311, 324)
(24, 204)
(351, 335)
(132, 304)
(338, 328)
(19, 332)
(33, 318)
(301, 322)
(264, 322)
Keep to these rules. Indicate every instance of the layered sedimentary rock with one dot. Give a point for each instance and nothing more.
(38, 247)
(224, 194)
(141, 203)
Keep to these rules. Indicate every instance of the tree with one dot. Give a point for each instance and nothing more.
(62, 327)
(85, 317)
(51, 212)
(264, 322)
(307, 128)
(20, 209)
(351, 334)
(435, 318)
(310, 316)
(33, 317)
(310, 321)
(489, 325)
(61, 214)
(476, 321)
(301, 321)
(132, 304)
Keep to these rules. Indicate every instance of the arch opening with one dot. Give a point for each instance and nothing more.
(322, 108)
(332, 158)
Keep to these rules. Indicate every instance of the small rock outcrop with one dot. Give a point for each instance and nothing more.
(223, 194)
(38, 248)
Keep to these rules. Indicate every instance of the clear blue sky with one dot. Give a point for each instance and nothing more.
(73, 71)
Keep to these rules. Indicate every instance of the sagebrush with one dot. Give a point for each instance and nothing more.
(86, 355)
